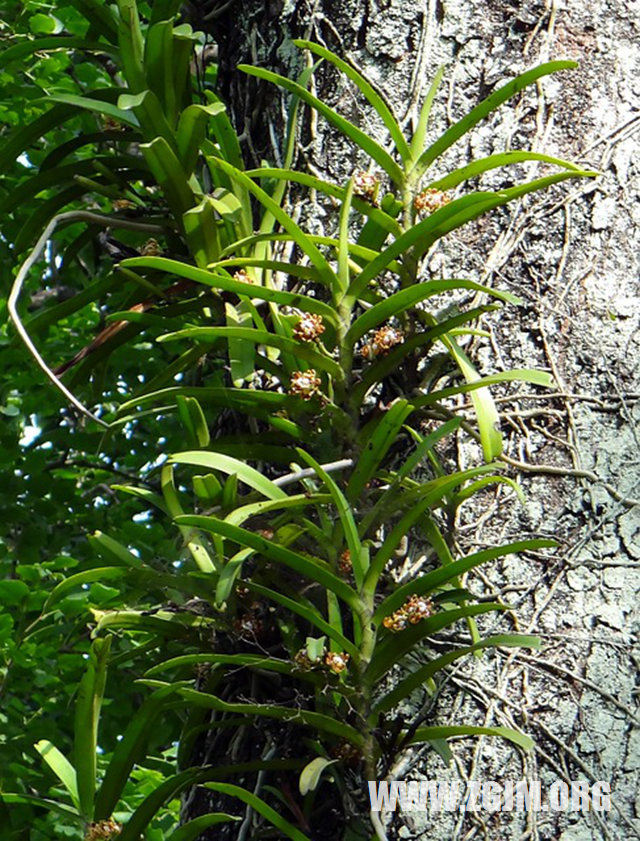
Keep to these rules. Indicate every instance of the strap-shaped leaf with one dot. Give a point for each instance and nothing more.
(313, 568)
(194, 829)
(325, 271)
(431, 580)
(318, 721)
(385, 365)
(103, 18)
(191, 131)
(425, 445)
(129, 750)
(394, 646)
(259, 337)
(44, 803)
(340, 289)
(457, 130)
(61, 767)
(474, 168)
(87, 717)
(418, 139)
(406, 298)
(17, 52)
(171, 788)
(227, 284)
(113, 551)
(450, 217)
(526, 375)
(258, 805)
(225, 464)
(168, 172)
(131, 43)
(194, 542)
(359, 137)
(429, 734)
(384, 220)
(376, 447)
(416, 679)
(80, 579)
(368, 91)
(359, 555)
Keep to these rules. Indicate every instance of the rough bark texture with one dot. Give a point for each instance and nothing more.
(572, 255)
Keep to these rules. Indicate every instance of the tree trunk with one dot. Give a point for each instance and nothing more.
(571, 255)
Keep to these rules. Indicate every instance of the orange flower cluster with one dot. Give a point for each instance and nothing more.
(344, 564)
(151, 248)
(365, 185)
(383, 340)
(103, 830)
(242, 276)
(123, 204)
(347, 753)
(412, 611)
(304, 384)
(336, 661)
(428, 201)
(309, 328)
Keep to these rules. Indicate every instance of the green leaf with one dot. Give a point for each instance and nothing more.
(61, 767)
(201, 229)
(406, 298)
(317, 721)
(340, 290)
(259, 337)
(168, 172)
(194, 420)
(41, 24)
(191, 131)
(431, 580)
(195, 544)
(474, 168)
(225, 464)
(418, 139)
(164, 793)
(376, 447)
(131, 43)
(526, 375)
(394, 646)
(427, 734)
(406, 686)
(374, 99)
(377, 215)
(457, 130)
(325, 272)
(313, 568)
(80, 579)
(227, 284)
(258, 805)
(13, 592)
(311, 614)
(359, 137)
(129, 750)
(96, 106)
(110, 550)
(311, 774)
(17, 52)
(88, 704)
(359, 555)
(192, 830)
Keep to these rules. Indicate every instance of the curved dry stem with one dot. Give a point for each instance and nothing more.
(34, 255)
